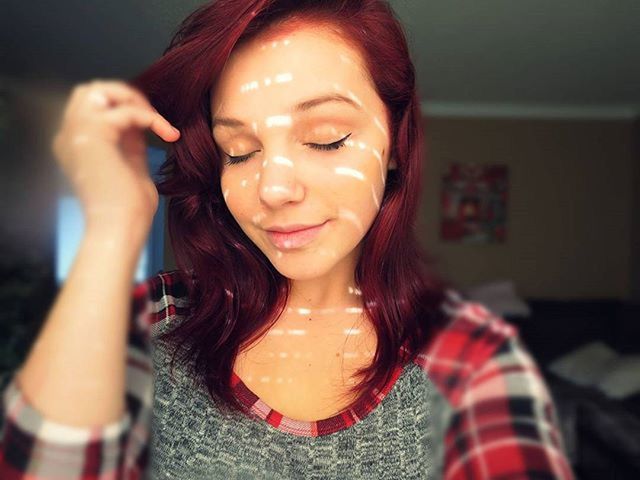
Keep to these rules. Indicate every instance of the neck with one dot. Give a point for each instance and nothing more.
(335, 290)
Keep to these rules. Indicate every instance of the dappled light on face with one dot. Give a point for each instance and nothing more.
(275, 44)
(278, 121)
(302, 138)
(351, 216)
(267, 81)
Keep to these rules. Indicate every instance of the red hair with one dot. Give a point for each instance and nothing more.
(235, 293)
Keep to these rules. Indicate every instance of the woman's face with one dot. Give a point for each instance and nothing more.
(310, 142)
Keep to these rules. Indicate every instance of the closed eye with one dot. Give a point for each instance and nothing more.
(329, 146)
(316, 146)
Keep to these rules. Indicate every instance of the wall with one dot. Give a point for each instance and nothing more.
(569, 213)
(635, 215)
(30, 179)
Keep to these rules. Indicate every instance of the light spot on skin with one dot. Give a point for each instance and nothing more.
(243, 183)
(352, 331)
(276, 189)
(326, 253)
(346, 59)
(297, 332)
(350, 172)
(353, 97)
(350, 215)
(280, 160)
(376, 201)
(278, 121)
(284, 77)
(257, 218)
(380, 126)
(247, 87)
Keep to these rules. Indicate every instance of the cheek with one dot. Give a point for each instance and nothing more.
(362, 183)
(230, 193)
(357, 196)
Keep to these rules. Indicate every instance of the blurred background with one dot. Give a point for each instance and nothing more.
(531, 188)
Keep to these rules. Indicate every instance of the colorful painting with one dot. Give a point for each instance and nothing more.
(474, 203)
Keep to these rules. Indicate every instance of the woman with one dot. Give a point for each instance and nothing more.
(314, 341)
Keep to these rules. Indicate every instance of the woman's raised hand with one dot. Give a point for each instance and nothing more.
(101, 148)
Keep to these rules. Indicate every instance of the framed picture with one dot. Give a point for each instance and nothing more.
(474, 203)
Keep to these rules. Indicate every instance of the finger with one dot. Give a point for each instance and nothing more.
(128, 116)
(119, 92)
(133, 143)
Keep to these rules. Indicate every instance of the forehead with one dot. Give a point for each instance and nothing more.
(276, 69)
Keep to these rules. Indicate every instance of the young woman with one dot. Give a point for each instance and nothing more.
(314, 339)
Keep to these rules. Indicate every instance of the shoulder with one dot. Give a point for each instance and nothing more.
(159, 300)
(472, 338)
(494, 389)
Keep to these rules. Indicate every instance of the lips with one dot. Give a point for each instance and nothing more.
(295, 239)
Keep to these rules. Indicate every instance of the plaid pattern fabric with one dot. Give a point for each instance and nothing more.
(503, 423)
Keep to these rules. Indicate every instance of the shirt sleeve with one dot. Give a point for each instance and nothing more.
(35, 447)
(505, 424)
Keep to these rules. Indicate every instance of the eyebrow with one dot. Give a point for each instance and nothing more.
(299, 108)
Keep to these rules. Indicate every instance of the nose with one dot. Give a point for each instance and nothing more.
(278, 183)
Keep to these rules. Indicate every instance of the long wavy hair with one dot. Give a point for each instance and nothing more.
(235, 294)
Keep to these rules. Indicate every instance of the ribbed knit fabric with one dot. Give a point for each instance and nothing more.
(401, 438)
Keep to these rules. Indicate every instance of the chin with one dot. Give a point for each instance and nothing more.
(302, 265)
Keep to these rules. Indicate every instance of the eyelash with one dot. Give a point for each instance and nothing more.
(317, 146)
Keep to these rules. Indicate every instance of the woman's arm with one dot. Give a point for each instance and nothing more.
(44, 446)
